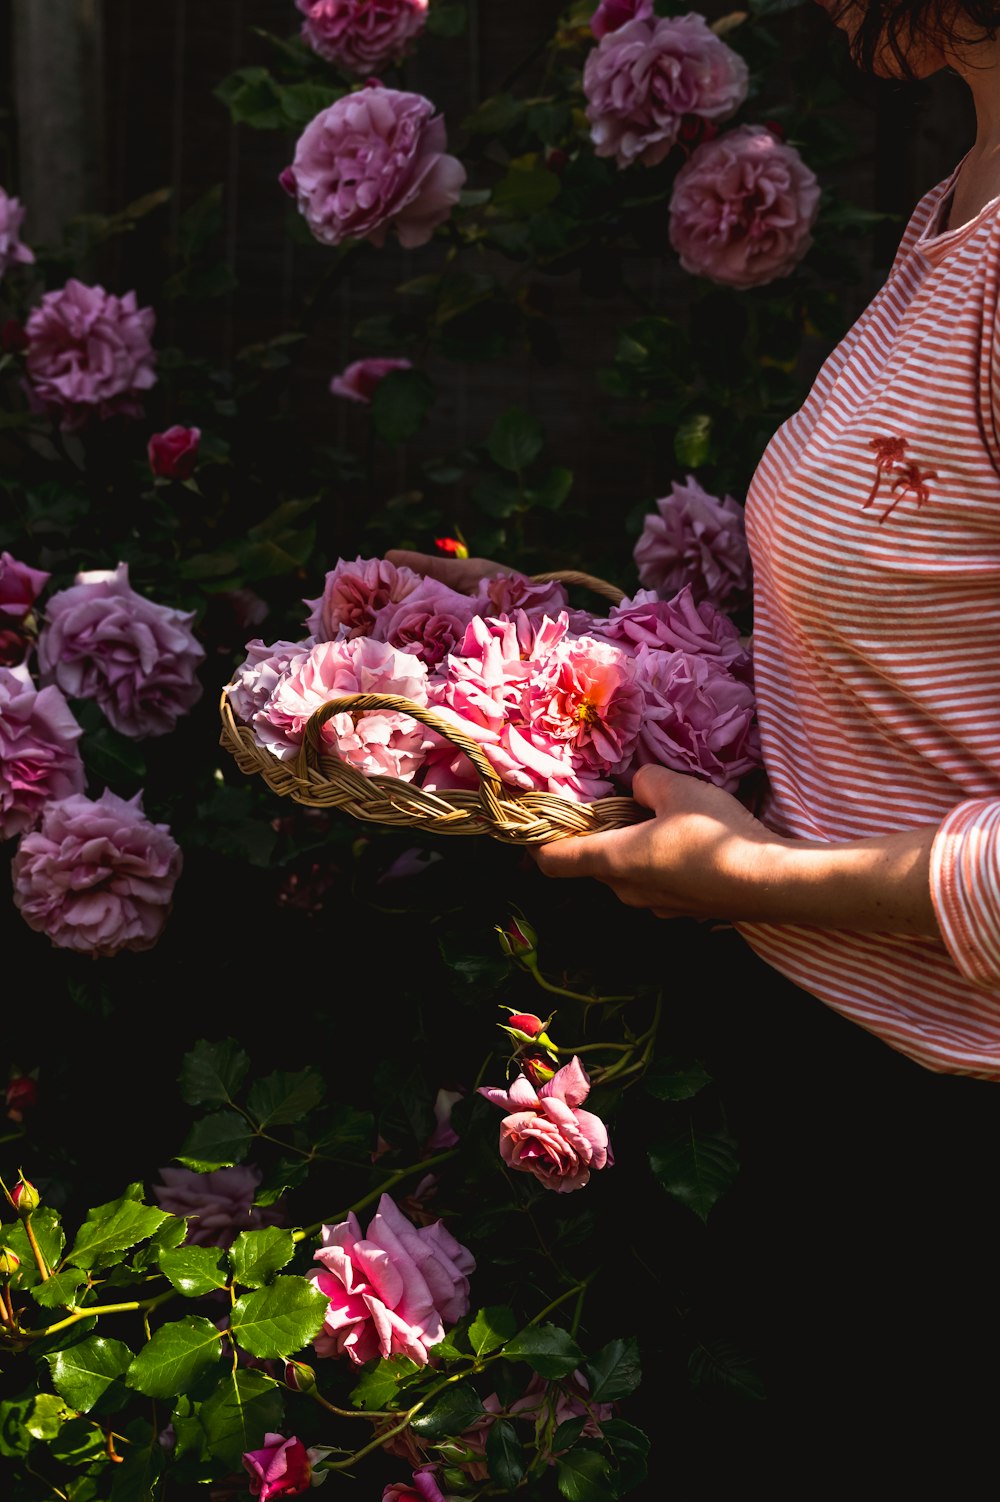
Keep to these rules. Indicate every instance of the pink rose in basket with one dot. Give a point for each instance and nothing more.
(696, 718)
(362, 36)
(506, 593)
(427, 622)
(694, 538)
(259, 674)
(39, 756)
(546, 1134)
(678, 625)
(354, 593)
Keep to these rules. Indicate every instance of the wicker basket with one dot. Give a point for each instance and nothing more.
(319, 779)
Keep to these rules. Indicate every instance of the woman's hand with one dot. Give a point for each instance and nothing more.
(461, 574)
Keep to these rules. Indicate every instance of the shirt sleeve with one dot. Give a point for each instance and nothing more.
(965, 888)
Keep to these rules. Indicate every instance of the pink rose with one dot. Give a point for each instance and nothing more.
(505, 593)
(545, 1405)
(283, 1468)
(258, 676)
(423, 1488)
(393, 1290)
(678, 625)
(358, 382)
(546, 1134)
(174, 454)
(39, 757)
(96, 876)
(362, 36)
(372, 161)
(643, 78)
(427, 622)
(354, 593)
(89, 354)
(743, 208)
(699, 540)
(12, 251)
(219, 1205)
(102, 640)
(20, 587)
(697, 718)
(610, 15)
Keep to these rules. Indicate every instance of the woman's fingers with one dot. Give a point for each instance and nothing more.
(462, 574)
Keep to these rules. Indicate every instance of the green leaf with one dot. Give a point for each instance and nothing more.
(111, 1229)
(719, 1364)
(516, 439)
(668, 1080)
(47, 1415)
(527, 188)
(177, 1354)
(282, 1098)
(216, 1141)
(199, 224)
(693, 440)
(59, 1292)
(280, 1319)
(51, 1239)
(584, 1476)
(381, 1382)
(244, 1407)
(255, 1256)
(614, 1372)
(630, 1447)
(301, 102)
(15, 1438)
(252, 97)
(504, 1455)
(494, 116)
(135, 1480)
(86, 1373)
(491, 1328)
(447, 19)
(193, 1270)
(551, 1351)
(79, 1442)
(499, 496)
(113, 758)
(695, 1168)
(455, 1409)
(212, 1073)
(170, 1235)
(401, 402)
(553, 489)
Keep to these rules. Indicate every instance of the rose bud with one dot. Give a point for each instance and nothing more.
(22, 1093)
(25, 1197)
(299, 1377)
(174, 454)
(526, 1029)
(519, 942)
(536, 1068)
(9, 1262)
(453, 545)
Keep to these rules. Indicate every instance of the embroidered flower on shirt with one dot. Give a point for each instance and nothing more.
(906, 478)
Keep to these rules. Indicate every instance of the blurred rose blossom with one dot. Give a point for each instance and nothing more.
(220, 1204)
(39, 756)
(13, 251)
(360, 380)
(612, 14)
(362, 36)
(173, 454)
(20, 587)
(90, 354)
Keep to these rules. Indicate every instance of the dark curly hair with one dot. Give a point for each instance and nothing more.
(897, 24)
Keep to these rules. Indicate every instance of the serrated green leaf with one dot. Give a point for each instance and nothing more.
(720, 1364)
(255, 1256)
(491, 1328)
(695, 1168)
(164, 1239)
(89, 1372)
(381, 1383)
(79, 1442)
(15, 1438)
(551, 1351)
(630, 1447)
(60, 1291)
(216, 1141)
(193, 1270)
(455, 1409)
(135, 1479)
(584, 1476)
(177, 1354)
(212, 1073)
(51, 1239)
(283, 1098)
(280, 1319)
(515, 439)
(112, 1229)
(615, 1371)
(504, 1455)
(47, 1415)
(668, 1080)
(244, 1407)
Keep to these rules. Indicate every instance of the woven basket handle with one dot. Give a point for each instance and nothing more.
(573, 576)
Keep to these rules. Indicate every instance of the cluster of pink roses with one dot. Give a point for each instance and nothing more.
(558, 700)
(744, 204)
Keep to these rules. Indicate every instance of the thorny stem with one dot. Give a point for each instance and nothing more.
(387, 1184)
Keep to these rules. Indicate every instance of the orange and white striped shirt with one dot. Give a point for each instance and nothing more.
(874, 527)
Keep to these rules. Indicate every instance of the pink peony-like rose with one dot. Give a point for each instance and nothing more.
(610, 15)
(12, 251)
(422, 1488)
(427, 622)
(643, 78)
(258, 676)
(696, 539)
(20, 587)
(102, 640)
(89, 354)
(393, 1289)
(546, 1134)
(372, 161)
(743, 208)
(506, 593)
(354, 593)
(39, 756)
(96, 876)
(697, 718)
(362, 36)
(219, 1205)
(173, 454)
(679, 624)
(282, 1468)
(359, 382)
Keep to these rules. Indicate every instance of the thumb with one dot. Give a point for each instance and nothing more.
(653, 787)
(432, 567)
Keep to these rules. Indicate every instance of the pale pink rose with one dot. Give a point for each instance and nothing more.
(427, 622)
(89, 354)
(362, 36)
(643, 78)
(102, 640)
(20, 587)
(259, 674)
(218, 1205)
(546, 1134)
(694, 538)
(743, 208)
(360, 381)
(96, 876)
(282, 1468)
(12, 251)
(610, 15)
(39, 756)
(506, 593)
(393, 1290)
(377, 743)
(374, 160)
(678, 624)
(354, 593)
(173, 454)
(696, 718)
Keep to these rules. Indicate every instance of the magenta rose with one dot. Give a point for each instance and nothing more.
(20, 587)
(427, 622)
(283, 1468)
(362, 36)
(503, 594)
(611, 15)
(698, 540)
(643, 78)
(102, 640)
(354, 593)
(375, 160)
(678, 625)
(546, 1134)
(96, 876)
(173, 454)
(393, 1289)
(89, 354)
(697, 718)
(743, 208)
(422, 1488)
(39, 756)
(13, 252)
(359, 382)
(218, 1205)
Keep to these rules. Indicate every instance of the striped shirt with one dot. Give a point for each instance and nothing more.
(874, 527)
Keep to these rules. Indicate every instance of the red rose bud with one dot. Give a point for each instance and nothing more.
(9, 1262)
(527, 1022)
(528, 1031)
(452, 545)
(13, 337)
(174, 454)
(25, 1197)
(536, 1069)
(519, 942)
(299, 1377)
